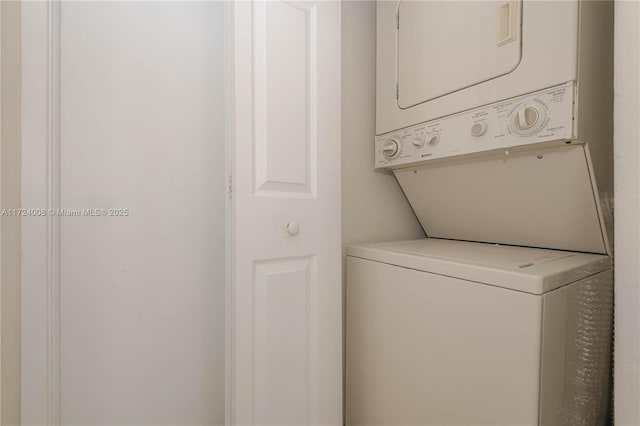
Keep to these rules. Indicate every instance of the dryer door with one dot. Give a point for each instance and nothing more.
(447, 46)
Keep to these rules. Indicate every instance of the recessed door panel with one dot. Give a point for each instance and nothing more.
(285, 97)
(444, 47)
(284, 289)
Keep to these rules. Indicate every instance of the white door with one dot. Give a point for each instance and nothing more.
(285, 294)
(123, 314)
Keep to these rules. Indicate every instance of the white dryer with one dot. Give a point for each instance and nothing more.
(446, 332)
(496, 118)
(437, 58)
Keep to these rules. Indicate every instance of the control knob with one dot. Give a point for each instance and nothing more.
(418, 141)
(479, 129)
(391, 148)
(527, 120)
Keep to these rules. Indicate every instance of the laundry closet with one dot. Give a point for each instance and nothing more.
(460, 153)
(495, 119)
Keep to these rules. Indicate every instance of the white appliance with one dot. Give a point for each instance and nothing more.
(496, 118)
(437, 58)
(446, 332)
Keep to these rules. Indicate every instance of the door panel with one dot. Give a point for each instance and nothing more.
(446, 46)
(284, 105)
(284, 290)
(285, 294)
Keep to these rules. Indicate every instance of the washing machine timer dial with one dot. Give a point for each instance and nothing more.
(391, 148)
(527, 119)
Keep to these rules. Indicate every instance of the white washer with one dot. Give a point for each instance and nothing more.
(443, 332)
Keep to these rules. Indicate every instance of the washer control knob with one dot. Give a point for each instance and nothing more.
(527, 120)
(391, 148)
(479, 129)
(434, 139)
(418, 141)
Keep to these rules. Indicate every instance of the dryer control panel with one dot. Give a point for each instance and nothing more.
(542, 116)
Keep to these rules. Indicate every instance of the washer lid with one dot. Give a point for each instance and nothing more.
(524, 269)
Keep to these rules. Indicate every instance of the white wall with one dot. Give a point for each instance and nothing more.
(141, 297)
(627, 213)
(373, 205)
(10, 226)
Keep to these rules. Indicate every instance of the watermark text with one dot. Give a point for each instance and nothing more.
(61, 212)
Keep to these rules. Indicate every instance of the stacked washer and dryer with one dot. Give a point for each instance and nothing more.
(496, 120)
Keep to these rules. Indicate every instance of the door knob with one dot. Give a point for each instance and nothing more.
(293, 228)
